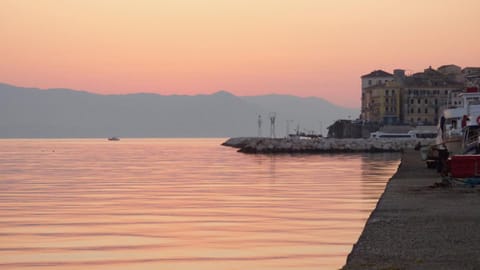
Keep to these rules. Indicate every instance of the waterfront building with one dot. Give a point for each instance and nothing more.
(417, 99)
(383, 103)
(374, 78)
(471, 71)
(455, 99)
(423, 104)
(472, 76)
(426, 95)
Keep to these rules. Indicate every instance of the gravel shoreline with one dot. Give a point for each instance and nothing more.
(417, 226)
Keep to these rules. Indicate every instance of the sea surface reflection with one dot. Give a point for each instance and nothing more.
(180, 204)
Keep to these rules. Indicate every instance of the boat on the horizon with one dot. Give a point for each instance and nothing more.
(114, 139)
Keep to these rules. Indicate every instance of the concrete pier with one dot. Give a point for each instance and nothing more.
(418, 225)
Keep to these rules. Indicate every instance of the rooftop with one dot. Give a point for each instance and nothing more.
(377, 73)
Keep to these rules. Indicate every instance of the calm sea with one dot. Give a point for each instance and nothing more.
(180, 204)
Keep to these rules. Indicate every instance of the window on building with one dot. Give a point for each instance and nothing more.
(418, 101)
(409, 91)
(393, 91)
(436, 101)
(386, 100)
(426, 110)
(386, 92)
(446, 92)
(411, 110)
(419, 110)
(369, 82)
(411, 101)
(426, 101)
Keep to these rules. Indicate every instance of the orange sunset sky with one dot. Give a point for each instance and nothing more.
(247, 47)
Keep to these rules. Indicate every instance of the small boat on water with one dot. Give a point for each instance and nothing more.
(114, 139)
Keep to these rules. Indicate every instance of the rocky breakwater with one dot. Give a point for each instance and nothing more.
(322, 145)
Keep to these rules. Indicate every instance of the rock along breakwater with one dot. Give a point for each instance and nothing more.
(322, 145)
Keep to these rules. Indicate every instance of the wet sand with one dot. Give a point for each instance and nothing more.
(415, 226)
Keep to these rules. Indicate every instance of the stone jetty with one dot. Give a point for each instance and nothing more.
(319, 145)
(420, 223)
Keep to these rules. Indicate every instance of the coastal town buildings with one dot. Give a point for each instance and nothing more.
(472, 76)
(375, 78)
(416, 99)
(383, 103)
(453, 72)
(426, 95)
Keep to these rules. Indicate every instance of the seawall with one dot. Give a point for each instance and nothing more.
(418, 225)
(319, 145)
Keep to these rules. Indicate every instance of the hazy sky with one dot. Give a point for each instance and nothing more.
(248, 47)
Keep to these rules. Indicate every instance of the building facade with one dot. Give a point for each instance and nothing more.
(423, 105)
(383, 103)
(374, 78)
(472, 76)
(417, 99)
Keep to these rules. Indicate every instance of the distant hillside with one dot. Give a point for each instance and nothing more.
(58, 113)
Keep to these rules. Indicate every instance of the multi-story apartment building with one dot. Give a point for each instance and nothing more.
(383, 103)
(423, 104)
(374, 78)
(426, 95)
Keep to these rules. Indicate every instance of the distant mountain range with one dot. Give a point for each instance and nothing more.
(64, 113)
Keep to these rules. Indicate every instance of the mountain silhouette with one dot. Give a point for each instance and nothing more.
(65, 113)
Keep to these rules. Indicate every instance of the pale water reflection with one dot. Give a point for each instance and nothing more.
(180, 204)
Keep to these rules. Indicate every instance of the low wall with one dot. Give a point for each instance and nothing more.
(298, 145)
